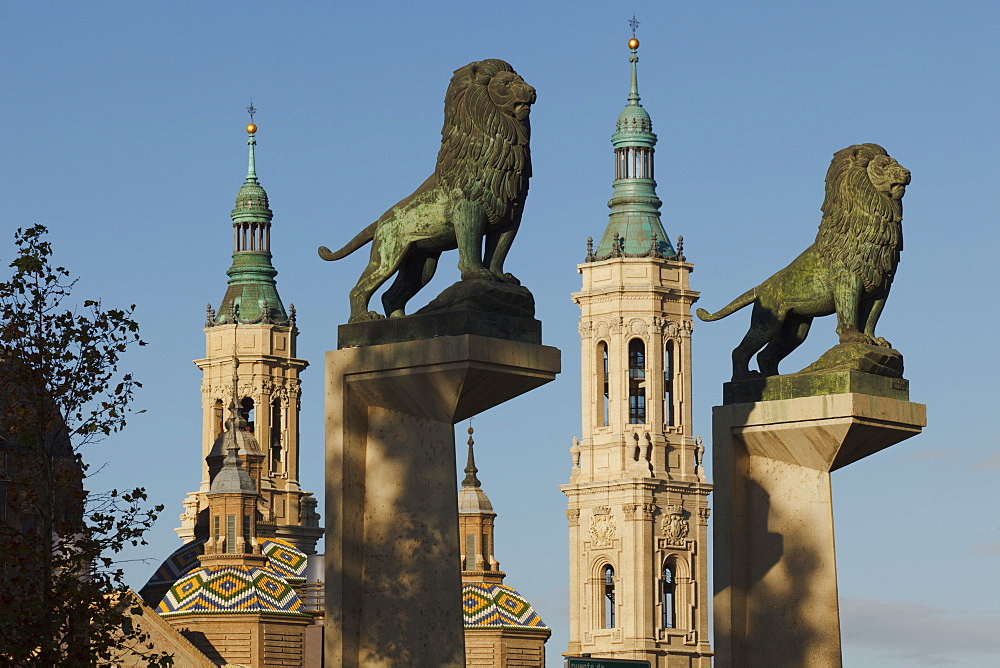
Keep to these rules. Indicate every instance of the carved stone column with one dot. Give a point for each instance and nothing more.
(393, 585)
(775, 568)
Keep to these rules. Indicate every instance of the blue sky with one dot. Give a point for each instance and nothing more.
(121, 127)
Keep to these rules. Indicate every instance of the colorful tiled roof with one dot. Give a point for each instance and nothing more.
(285, 559)
(230, 589)
(497, 606)
(184, 559)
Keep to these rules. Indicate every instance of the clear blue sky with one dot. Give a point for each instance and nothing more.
(121, 129)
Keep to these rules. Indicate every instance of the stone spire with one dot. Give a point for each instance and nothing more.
(499, 622)
(472, 498)
(252, 295)
(233, 478)
(634, 228)
(236, 435)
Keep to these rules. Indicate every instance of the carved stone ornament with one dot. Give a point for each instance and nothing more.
(675, 525)
(670, 328)
(573, 516)
(637, 326)
(601, 327)
(586, 327)
(602, 531)
(639, 511)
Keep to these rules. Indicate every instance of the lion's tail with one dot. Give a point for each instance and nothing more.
(363, 237)
(745, 299)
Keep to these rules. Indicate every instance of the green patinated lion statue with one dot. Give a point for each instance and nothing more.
(477, 190)
(848, 270)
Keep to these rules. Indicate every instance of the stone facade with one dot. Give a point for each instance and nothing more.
(637, 494)
(270, 384)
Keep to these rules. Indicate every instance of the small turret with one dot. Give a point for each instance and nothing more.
(634, 228)
(252, 295)
(237, 435)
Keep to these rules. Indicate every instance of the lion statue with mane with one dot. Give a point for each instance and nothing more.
(477, 190)
(847, 271)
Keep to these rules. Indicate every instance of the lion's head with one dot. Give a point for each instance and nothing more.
(888, 176)
(484, 141)
(862, 212)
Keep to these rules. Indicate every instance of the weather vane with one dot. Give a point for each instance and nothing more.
(633, 23)
(253, 110)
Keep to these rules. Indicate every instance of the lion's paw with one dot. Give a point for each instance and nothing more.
(480, 275)
(368, 315)
(510, 278)
(881, 343)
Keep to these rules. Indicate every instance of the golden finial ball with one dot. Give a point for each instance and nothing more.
(251, 129)
(633, 44)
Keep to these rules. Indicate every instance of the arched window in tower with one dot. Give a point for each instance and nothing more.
(230, 534)
(667, 599)
(609, 597)
(470, 551)
(602, 379)
(218, 413)
(636, 382)
(277, 451)
(668, 384)
(247, 410)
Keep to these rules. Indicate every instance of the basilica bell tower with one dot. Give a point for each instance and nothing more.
(253, 326)
(637, 494)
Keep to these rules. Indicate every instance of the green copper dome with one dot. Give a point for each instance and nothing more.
(252, 295)
(634, 227)
(252, 200)
(634, 122)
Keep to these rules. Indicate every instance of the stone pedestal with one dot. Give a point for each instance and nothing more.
(775, 567)
(393, 585)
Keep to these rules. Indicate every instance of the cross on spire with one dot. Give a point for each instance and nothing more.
(253, 110)
(633, 24)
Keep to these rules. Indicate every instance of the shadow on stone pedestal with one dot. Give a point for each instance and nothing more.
(393, 586)
(775, 567)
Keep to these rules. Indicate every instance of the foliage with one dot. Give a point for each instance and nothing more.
(63, 600)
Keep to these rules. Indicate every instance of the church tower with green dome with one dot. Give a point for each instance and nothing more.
(637, 497)
(253, 326)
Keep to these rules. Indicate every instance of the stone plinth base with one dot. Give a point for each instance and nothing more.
(775, 567)
(795, 385)
(393, 584)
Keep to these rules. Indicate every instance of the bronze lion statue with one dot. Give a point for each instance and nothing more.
(847, 271)
(477, 190)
